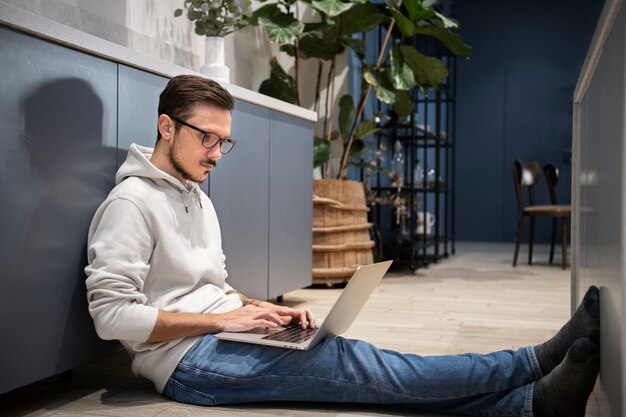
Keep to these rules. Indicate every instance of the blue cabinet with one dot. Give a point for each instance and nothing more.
(57, 164)
(67, 121)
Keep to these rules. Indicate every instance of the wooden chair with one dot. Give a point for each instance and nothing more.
(551, 173)
(527, 176)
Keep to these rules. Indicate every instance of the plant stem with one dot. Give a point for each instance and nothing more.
(318, 84)
(297, 69)
(297, 66)
(346, 149)
(329, 96)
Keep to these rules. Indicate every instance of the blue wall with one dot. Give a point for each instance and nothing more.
(514, 100)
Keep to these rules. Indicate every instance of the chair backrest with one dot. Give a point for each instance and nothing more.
(525, 175)
(552, 178)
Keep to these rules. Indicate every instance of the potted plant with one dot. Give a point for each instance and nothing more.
(213, 19)
(328, 31)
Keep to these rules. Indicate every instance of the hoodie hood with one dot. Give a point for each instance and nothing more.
(137, 164)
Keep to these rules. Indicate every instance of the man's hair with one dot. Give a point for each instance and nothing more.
(183, 91)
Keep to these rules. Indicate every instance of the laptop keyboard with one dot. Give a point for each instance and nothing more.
(292, 334)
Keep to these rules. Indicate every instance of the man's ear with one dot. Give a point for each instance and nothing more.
(166, 127)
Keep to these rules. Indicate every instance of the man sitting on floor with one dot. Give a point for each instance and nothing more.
(157, 282)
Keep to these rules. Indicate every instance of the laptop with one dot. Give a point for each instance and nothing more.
(339, 319)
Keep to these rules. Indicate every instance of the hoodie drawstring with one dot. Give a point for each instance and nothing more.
(184, 197)
(182, 194)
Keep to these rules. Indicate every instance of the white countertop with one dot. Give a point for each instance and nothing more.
(49, 30)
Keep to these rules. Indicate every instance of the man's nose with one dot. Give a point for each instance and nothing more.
(215, 152)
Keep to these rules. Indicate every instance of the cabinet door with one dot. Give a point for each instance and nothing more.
(57, 162)
(239, 187)
(290, 215)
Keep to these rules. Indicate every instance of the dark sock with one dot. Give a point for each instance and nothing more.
(584, 323)
(564, 393)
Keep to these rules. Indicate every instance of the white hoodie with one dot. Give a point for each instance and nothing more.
(154, 244)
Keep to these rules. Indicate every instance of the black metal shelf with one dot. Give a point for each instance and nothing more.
(427, 138)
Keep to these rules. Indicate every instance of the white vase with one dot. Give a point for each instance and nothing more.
(214, 66)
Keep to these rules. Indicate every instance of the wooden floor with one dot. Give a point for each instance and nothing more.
(472, 302)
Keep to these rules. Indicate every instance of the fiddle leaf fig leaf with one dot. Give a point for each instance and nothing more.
(417, 12)
(404, 24)
(381, 83)
(361, 18)
(332, 7)
(266, 11)
(346, 115)
(321, 151)
(282, 29)
(365, 128)
(326, 47)
(403, 106)
(355, 155)
(402, 75)
(450, 40)
(428, 71)
(280, 85)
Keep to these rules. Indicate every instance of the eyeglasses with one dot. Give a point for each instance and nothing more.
(210, 139)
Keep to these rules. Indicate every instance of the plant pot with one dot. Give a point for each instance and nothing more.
(215, 58)
(341, 232)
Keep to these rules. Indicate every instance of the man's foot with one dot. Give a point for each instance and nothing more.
(584, 323)
(565, 391)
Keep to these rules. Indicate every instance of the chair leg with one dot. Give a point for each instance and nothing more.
(531, 240)
(518, 238)
(564, 240)
(554, 223)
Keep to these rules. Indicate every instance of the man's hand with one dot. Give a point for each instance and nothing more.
(249, 317)
(292, 315)
(170, 326)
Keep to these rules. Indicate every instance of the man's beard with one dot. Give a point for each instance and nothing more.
(178, 166)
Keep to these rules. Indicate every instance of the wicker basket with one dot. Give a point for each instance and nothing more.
(341, 237)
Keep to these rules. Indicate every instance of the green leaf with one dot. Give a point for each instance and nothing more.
(381, 83)
(403, 105)
(280, 85)
(355, 154)
(427, 4)
(401, 74)
(332, 7)
(365, 128)
(361, 18)
(428, 71)
(289, 49)
(178, 12)
(193, 15)
(326, 47)
(267, 11)
(346, 115)
(404, 24)
(321, 151)
(282, 29)
(414, 8)
(317, 27)
(450, 40)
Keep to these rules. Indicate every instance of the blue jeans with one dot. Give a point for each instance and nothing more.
(216, 372)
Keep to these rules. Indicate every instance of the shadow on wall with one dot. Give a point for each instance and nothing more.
(71, 173)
